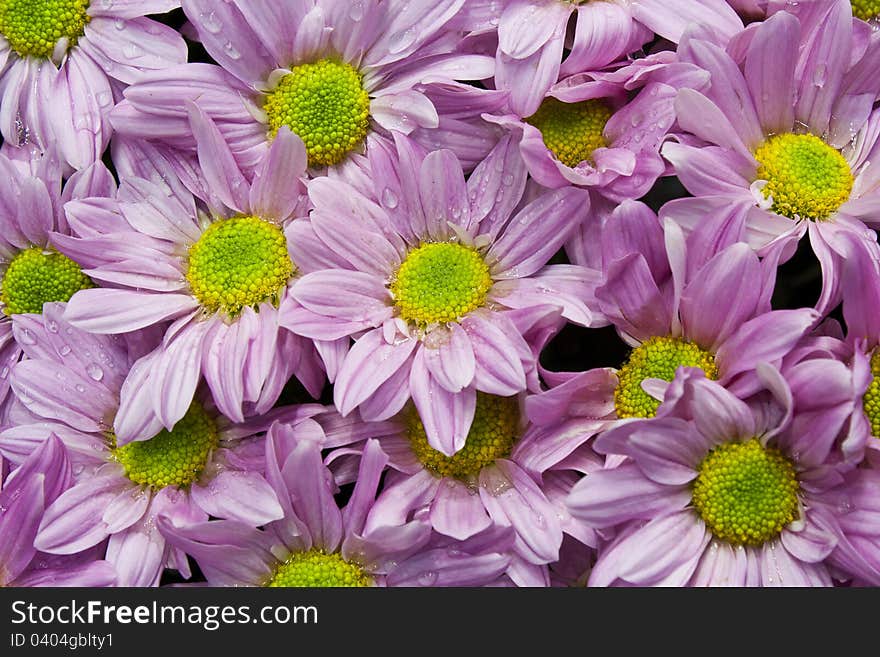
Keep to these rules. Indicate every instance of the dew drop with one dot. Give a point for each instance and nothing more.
(427, 578)
(27, 337)
(210, 22)
(389, 198)
(95, 372)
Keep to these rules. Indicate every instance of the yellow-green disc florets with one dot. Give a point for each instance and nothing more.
(239, 262)
(656, 358)
(871, 399)
(806, 178)
(493, 433)
(34, 27)
(746, 493)
(440, 282)
(572, 131)
(316, 569)
(326, 105)
(36, 276)
(865, 9)
(172, 458)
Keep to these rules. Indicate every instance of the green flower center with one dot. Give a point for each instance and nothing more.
(326, 105)
(656, 358)
(172, 458)
(871, 399)
(440, 282)
(572, 131)
(865, 9)
(806, 178)
(34, 27)
(239, 262)
(35, 277)
(494, 431)
(316, 569)
(746, 493)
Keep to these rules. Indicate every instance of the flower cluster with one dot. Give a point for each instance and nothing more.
(439, 293)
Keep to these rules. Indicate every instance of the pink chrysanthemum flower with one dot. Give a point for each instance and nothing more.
(317, 544)
(788, 133)
(331, 71)
(32, 272)
(533, 33)
(713, 493)
(202, 466)
(62, 61)
(509, 473)
(37, 483)
(220, 277)
(655, 291)
(439, 284)
(602, 131)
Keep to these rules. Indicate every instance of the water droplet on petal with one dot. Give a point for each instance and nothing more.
(95, 372)
(27, 337)
(389, 198)
(210, 22)
(427, 578)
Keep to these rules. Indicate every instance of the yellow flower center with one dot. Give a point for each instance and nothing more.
(34, 27)
(239, 262)
(806, 178)
(326, 105)
(440, 282)
(36, 276)
(316, 569)
(746, 493)
(493, 433)
(172, 458)
(572, 131)
(656, 358)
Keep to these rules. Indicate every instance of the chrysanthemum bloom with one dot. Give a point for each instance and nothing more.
(219, 276)
(202, 466)
(656, 290)
(509, 473)
(61, 62)
(317, 544)
(788, 134)
(532, 34)
(332, 72)
(40, 479)
(596, 134)
(438, 283)
(713, 493)
(32, 272)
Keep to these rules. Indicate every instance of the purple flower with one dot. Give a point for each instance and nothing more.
(657, 287)
(786, 132)
(532, 34)
(439, 284)
(38, 482)
(63, 62)
(713, 493)
(203, 465)
(509, 473)
(316, 543)
(32, 272)
(332, 74)
(220, 277)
